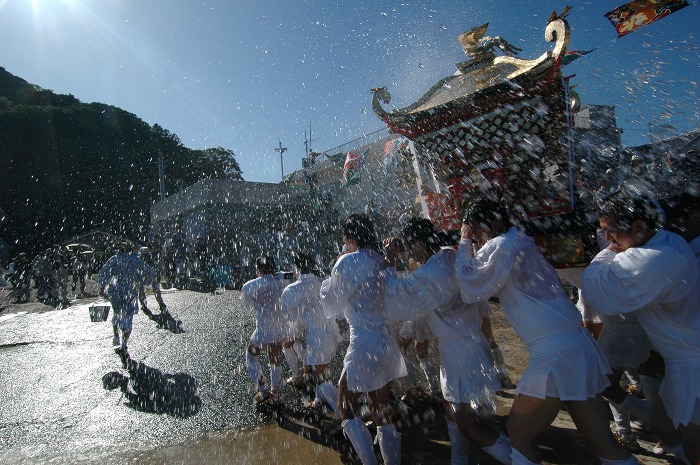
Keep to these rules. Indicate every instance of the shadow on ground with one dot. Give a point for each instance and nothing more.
(150, 390)
(165, 320)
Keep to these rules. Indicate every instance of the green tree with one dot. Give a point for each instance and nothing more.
(69, 167)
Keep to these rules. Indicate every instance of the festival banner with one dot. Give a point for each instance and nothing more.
(392, 152)
(639, 13)
(352, 167)
(573, 55)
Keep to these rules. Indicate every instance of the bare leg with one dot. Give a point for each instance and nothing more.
(125, 337)
(378, 403)
(591, 419)
(691, 442)
(529, 416)
(662, 424)
(593, 328)
(347, 400)
(470, 424)
(487, 330)
(674, 441)
(274, 356)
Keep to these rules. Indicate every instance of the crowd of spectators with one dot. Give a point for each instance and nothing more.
(52, 273)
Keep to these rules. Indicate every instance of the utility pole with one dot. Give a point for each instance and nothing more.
(281, 150)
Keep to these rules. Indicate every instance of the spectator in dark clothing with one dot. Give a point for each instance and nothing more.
(151, 255)
(22, 278)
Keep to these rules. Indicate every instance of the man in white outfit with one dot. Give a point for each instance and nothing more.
(262, 297)
(301, 303)
(467, 377)
(654, 273)
(565, 364)
(119, 280)
(373, 359)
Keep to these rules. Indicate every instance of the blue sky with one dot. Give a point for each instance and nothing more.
(246, 74)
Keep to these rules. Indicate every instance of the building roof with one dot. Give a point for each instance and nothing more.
(223, 192)
(480, 86)
(675, 144)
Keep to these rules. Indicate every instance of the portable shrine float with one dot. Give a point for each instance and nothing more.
(500, 126)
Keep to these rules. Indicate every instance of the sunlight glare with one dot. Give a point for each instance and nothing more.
(38, 5)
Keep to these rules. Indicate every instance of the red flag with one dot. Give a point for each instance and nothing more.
(352, 167)
(638, 13)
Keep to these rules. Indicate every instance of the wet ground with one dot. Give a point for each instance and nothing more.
(184, 397)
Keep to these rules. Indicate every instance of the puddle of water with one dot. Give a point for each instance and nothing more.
(265, 445)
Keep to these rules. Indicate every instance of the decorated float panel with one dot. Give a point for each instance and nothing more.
(499, 127)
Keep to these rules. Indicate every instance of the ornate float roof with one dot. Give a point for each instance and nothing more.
(480, 85)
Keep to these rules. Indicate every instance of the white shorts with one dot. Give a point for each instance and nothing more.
(466, 372)
(123, 313)
(568, 366)
(373, 359)
(322, 343)
(680, 391)
(269, 335)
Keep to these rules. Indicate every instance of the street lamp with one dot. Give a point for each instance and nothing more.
(281, 150)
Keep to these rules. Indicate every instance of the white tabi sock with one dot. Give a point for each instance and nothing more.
(361, 440)
(519, 459)
(389, 443)
(328, 393)
(300, 350)
(432, 373)
(459, 445)
(678, 452)
(632, 374)
(630, 461)
(275, 377)
(621, 417)
(292, 360)
(650, 387)
(253, 365)
(640, 408)
(500, 450)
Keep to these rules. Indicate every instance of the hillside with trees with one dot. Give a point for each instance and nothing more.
(68, 167)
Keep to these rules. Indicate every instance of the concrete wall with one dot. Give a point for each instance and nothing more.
(241, 220)
(223, 192)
